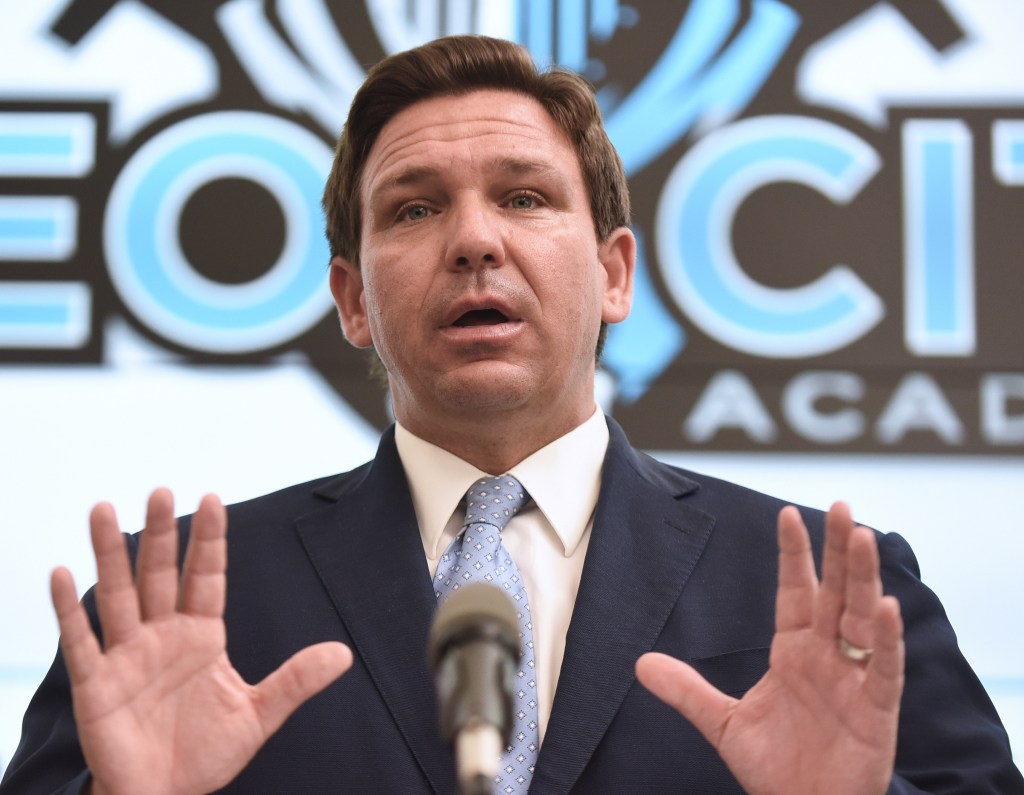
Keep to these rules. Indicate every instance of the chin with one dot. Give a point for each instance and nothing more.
(475, 398)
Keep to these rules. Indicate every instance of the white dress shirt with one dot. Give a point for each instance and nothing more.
(548, 539)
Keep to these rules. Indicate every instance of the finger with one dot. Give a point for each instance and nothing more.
(116, 599)
(686, 691)
(884, 682)
(302, 676)
(798, 582)
(832, 597)
(77, 641)
(203, 576)
(156, 570)
(863, 589)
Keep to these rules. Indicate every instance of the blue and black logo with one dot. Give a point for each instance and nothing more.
(825, 198)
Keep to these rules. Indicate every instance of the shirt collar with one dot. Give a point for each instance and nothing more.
(564, 479)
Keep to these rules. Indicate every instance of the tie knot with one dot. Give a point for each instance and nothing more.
(495, 500)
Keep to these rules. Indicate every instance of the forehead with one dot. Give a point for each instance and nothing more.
(475, 129)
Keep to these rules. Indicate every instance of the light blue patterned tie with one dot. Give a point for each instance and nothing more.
(477, 555)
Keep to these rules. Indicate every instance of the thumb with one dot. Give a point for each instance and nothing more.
(686, 691)
(300, 677)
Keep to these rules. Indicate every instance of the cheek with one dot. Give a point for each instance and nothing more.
(572, 312)
(393, 307)
(377, 299)
(571, 279)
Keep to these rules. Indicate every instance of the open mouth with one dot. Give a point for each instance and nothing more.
(481, 317)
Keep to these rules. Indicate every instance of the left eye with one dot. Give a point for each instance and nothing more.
(522, 202)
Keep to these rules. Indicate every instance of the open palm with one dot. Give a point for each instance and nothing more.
(818, 721)
(160, 708)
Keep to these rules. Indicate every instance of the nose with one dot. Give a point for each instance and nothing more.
(475, 236)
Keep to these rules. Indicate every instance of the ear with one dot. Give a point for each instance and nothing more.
(347, 289)
(618, 258)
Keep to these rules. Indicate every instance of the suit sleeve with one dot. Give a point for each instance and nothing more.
(49, 758)
(950, 737)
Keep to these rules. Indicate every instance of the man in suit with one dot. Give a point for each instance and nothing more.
(478, 218)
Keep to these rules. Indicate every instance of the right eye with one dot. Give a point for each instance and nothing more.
(413, 212)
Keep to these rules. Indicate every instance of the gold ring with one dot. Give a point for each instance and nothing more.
(855, 653)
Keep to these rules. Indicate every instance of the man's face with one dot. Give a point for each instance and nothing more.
(481, 282)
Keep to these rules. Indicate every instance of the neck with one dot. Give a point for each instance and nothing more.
(491, 446)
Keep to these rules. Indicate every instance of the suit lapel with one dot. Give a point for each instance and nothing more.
(643, 547)
(367, 551)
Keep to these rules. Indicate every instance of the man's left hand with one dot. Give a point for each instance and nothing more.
(824, 716)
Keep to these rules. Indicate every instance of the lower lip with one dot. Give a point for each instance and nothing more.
(487, 334)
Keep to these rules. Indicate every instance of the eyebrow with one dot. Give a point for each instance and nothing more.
(410, 176)
(518, 165)
(415, 175)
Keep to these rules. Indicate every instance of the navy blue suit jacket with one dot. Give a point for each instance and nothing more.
(677, 562)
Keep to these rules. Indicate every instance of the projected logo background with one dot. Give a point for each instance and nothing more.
(824, 200)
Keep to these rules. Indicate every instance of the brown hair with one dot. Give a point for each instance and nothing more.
(458, 65)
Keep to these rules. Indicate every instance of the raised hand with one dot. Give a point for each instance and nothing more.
(824, 717)
(159, 708)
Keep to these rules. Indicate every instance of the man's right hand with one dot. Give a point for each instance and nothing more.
(160, 708)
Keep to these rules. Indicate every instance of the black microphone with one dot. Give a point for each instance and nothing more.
(474, 651)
